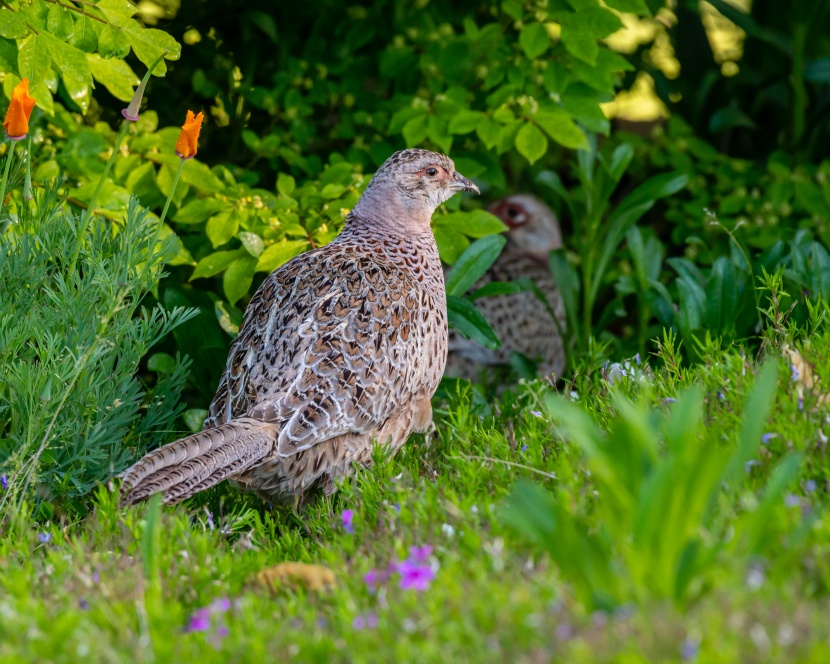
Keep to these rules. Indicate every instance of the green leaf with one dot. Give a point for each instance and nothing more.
(113, 43)
(286, 184)
(8, 57)
(463, 316)
(534, 40)
(71, 61)
(579, 42)
(12, 24)
(473, 263)
(214, 263)
(476, 223)
(35, 63)
(238, 278)
(60, 22)
(253, 243)
(630, 6)
(115, 75)
(79, 92)
(194, 418)
(451, 243)
(222, 227)
(84, 37)
(161, 363)
(280, 253)
(559, 125)
(415, 131)
(659, 186)
(531, 143)
(489, 131)
(500, 288)
(465, 122)
(199, 210)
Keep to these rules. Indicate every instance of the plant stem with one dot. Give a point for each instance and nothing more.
(88, 212)
(160, 225)
(6, 174)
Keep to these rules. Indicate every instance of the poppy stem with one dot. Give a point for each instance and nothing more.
(27, 183)
(88, 212)
(160, 225)
(6, 174)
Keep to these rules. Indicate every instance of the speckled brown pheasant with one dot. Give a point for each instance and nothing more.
(521, 320)
(340, 347)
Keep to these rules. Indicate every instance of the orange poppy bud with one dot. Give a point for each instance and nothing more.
(16, 123)
(189, 138)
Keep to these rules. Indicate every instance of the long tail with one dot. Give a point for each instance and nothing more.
(197, 462)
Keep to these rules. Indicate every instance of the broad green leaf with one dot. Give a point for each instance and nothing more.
(35, 63)
(199, 210)
(531, 143)
(476, 223)
(415, 131)
(465, 122)
(286, 184)
(659, 186)
(567, 280)
(489, 131)
(8, 57)
(85, 36)
(473, 263)
(253, 243)
(280, 253)
(214, 263)
(579, 42)
(79, 92)
(113, 43)
(161, 363)
(599, 21)
(630, 6)
(534, 40)
(463, 316)
(222, 227)
(451, 243)
(559, 125)
(499, 288)
(12, 24)
(61, 22)
(115, 75)
(238, 278)
(71, 61)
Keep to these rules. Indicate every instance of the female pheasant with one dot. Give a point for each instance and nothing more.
(340, 347)
(521, 321)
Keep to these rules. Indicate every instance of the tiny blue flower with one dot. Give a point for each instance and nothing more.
(768, 437)
(637, 359)
(791, 500)
(721, 396)
(800, 404)
(749, 464)
(794, 374)
(44, 537)
(689, 650)
(524, 448)
(4, 482)
(810, 486)
(669, 400)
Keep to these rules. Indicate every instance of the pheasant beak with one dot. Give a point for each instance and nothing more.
(460, 183)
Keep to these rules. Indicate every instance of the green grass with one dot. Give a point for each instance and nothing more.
(122, 585)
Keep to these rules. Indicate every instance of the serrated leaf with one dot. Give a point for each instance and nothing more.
(238, 278)
(280, 253)
(559, 125)
(222, 227)
(473, 263)
(115, 75)
(70, 61)
(463, 316)
(199, 210)
(476, 223)
(531, 143)
(214, 263)
(534, 40)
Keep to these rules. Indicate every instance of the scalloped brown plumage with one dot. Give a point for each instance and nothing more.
(341, 346)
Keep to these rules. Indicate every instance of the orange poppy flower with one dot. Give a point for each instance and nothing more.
(189, 138)
(16, 122)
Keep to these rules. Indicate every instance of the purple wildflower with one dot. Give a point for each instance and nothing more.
(374, 578)
(800, 404)
(721, 395)
(524, 448)
(794, 374)
(346, 518)
(791, 500)
(768, 437)
(211, 525)
(96, 577)
(536, 413)
(44, 537)
(689, 650)
(669, 400)
(4, 482)
(810, 486)
(363, 622)
(637, 359)
(83, 604)
(420, 554)
(749, 465)
(563, 632)
(415, 577)
(199, 621)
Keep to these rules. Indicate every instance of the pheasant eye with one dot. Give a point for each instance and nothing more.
(431, 171)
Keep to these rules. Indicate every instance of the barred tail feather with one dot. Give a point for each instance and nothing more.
(198, 462)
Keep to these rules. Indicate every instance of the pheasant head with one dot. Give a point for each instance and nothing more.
(534, 228)
(408, 187)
